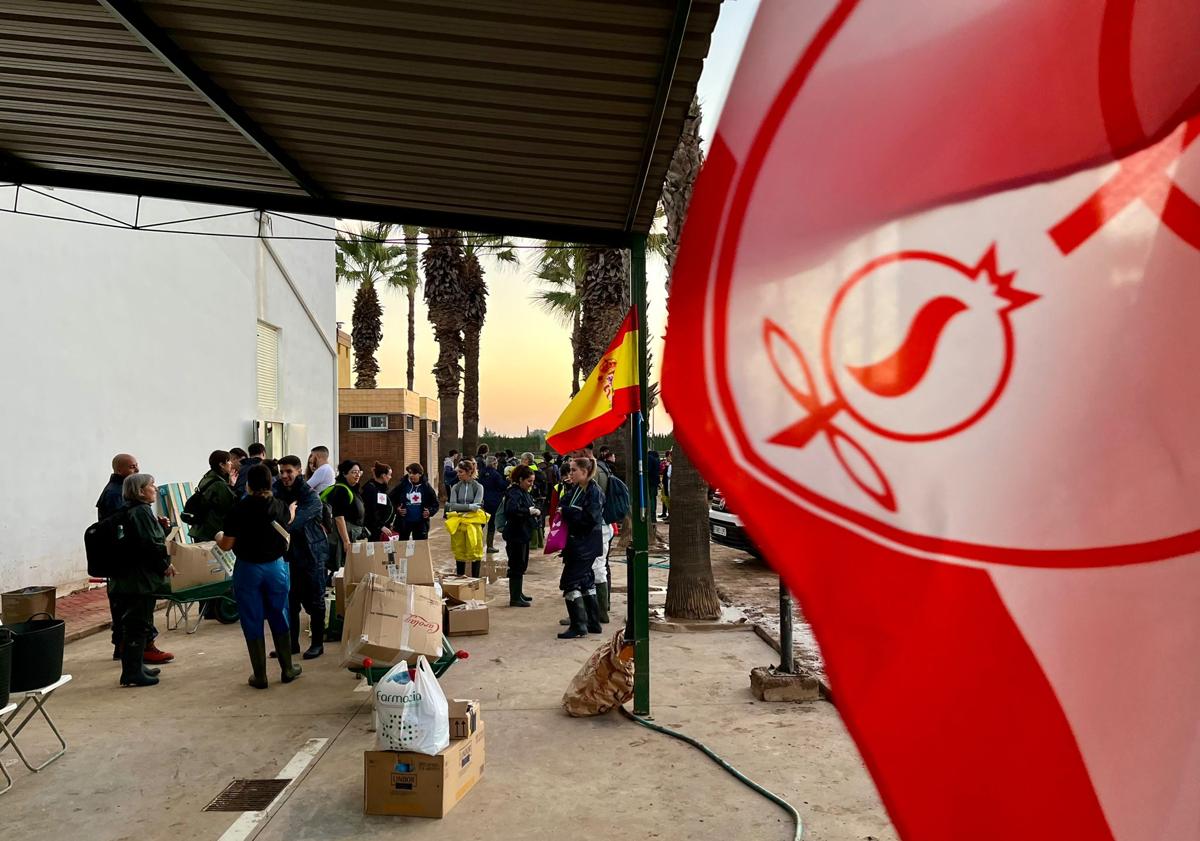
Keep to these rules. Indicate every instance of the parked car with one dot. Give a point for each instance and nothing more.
(725, 528)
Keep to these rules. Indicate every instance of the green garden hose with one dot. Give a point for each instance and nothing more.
(770, 795)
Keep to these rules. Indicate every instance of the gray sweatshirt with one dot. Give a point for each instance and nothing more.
(465, 496)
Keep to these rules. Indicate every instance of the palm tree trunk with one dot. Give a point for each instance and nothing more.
(691, 590)
(411, 232)
(470, 430)
(575, 350)
(366, 333)
(412, 335)
(447, 373)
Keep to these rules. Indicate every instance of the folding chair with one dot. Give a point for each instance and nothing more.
(37, 697)
(7, 779)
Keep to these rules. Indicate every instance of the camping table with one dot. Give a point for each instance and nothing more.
(7, 779)
(37, 697)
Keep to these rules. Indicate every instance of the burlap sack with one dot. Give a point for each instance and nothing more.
(604, 682)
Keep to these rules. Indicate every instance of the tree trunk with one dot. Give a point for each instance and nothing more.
(412, 336)
(446, 375)
(470, 430)
(411, 232)
(365, 335)
(691, 591)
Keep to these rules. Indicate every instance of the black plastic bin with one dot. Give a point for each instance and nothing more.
(6, 649)
(37, 652)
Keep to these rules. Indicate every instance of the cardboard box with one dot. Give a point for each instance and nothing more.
(339, 593)
(198, 563)
(465, 618)
(493, 569)
(18, 605)
(464, 589)
(390, 622)
(390, 559)
(416, 785)
(464, 718)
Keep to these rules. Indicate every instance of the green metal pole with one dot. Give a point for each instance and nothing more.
(639, 551)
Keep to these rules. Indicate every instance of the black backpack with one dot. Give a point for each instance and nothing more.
(195, 507)
(102, 545)
(616, 500)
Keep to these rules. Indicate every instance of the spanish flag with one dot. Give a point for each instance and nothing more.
(608, 395)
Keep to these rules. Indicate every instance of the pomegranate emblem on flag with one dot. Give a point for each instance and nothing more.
(949, 326)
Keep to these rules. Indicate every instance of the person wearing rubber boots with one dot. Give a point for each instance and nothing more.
(256, 529)
(306, 556)
(144, 570)
(582, 510)
(110, 502)
(521, 515)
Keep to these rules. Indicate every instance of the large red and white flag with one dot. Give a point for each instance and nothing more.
(943, 262)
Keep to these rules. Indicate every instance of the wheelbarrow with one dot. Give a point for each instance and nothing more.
(374, 673)
(181, 602)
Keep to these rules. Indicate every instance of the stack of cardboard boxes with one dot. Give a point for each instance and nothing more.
(197, 563)
(465, 610)
(392, 612)
(423, 786)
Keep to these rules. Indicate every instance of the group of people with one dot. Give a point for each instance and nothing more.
(282, 521)
(292, 524)
(520, 499)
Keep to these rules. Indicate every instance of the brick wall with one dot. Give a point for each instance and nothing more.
(397, 446)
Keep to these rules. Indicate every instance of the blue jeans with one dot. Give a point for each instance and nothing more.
(261, 592)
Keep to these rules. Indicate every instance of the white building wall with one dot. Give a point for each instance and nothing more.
(142, 342)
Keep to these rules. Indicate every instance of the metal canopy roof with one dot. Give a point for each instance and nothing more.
(547, 118)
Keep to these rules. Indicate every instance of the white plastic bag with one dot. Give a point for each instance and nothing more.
(411, 714)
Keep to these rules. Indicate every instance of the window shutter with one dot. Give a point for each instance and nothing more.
(267, 362)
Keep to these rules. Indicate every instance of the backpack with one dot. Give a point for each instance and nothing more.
(194, 508)
(102, 545)
(616, 500)
(327, 508)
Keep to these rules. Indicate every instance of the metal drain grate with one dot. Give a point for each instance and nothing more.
(247, 796)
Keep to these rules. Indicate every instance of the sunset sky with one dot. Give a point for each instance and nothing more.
(525, 357)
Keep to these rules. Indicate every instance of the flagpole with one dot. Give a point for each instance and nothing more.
(637, 627)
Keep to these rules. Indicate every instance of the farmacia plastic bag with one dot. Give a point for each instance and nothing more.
(411, 714)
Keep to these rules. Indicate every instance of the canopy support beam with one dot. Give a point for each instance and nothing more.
(637, 626)
(662, 95)
(134, 18)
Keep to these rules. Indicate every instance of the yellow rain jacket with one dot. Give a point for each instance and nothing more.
(466, 534)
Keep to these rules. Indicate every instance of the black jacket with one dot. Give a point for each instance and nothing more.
(377, 515)
(239, 487)
(310, 545)
(111, 501)
(494, 488)
(518, 522)
(145, 561)
(399, 496)
(583, 514)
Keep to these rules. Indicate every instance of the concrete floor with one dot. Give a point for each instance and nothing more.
(143, 763)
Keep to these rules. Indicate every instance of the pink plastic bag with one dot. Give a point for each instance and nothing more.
(556, 537)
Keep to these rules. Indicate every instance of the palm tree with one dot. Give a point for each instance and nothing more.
(561, 267)
(367, 261)
(412, 280)
(474, 314)
(446, 299)
(691, 590)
